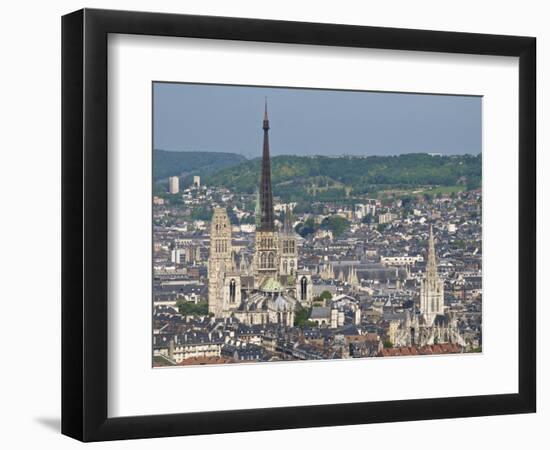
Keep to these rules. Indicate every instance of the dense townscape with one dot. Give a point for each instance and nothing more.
(252, 277)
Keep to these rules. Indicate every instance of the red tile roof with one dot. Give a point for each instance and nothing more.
(436, 349)
(198, 360)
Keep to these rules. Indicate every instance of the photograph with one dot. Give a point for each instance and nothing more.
(299, 224)
(272, 225)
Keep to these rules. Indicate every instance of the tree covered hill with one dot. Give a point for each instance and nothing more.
(168, 163)
(324, 178)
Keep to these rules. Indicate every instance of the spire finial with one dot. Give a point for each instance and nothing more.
(266, 118)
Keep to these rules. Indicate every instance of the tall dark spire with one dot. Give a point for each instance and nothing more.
(431, 266)
(266, 196)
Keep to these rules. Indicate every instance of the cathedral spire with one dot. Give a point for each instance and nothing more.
(431, 268)
(266, 195)
(432, 296)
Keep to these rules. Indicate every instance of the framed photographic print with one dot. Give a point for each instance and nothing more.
(273, 224)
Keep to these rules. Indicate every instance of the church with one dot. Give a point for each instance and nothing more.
(268, 290)
(431, 324)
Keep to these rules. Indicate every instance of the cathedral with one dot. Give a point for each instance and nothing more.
(431, 324)
(269, 289)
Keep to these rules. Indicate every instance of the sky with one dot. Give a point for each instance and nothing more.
(200, 117)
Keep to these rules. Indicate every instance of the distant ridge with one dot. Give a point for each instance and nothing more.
(322, 177)
(173, 163)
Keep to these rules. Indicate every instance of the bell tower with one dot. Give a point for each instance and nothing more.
(288, 262)
(220, 260)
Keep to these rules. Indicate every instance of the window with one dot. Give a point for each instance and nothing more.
(232, 291)
(303, 288)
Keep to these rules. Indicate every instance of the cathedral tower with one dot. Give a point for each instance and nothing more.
(288, 248)
(220, 260)
(431, 291)
(267, 247)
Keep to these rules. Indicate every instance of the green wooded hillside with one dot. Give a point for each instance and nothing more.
(297, 178)
(168, 163)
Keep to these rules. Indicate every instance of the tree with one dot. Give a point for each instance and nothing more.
(186, 308)
(388, 344)
(406, 201)
(336, 224)
(322, 299)
(201, 213)
(301, 316)
(304, 230)
(473, 183)
(459, 243)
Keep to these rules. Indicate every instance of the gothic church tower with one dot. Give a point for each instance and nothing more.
(220, 260)
(288, 249)
(266, 256)
(431, 290)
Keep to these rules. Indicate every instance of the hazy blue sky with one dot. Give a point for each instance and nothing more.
(313, 122)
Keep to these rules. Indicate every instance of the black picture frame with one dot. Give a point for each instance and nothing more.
(84, 224)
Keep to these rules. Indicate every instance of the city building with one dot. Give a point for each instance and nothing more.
(173, 185)
(175, 256)
(399, 261)
(386, 218)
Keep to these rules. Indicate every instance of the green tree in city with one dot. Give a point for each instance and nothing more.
(186, 308)
(301, 316)
(336, 224)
